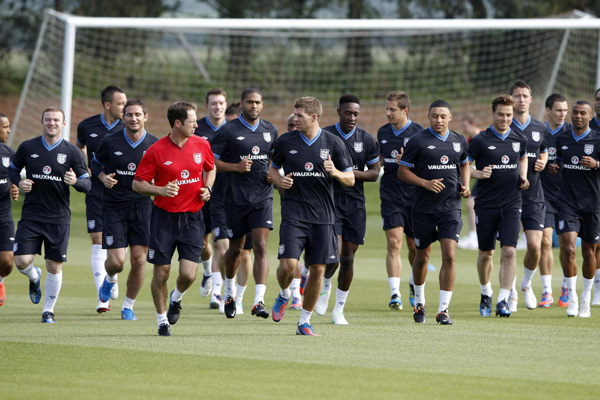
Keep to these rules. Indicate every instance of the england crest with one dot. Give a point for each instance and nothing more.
(267, 137)
(61, 158)
(561, 225)
(516, 147)
(358, 147)
(198, 158)
(535, 136)
(150, 254)
(587, 149)
(217, 231)
(91, 223)
(406, 141)
(6, 161)
(109, 240)
(281, 249)
(324, 154)
(456, 147)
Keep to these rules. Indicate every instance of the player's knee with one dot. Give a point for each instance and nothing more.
(508, 252)
(161, 273)
(347, 261)
(394, 243)
(448, 258)
(5, 268)
(568, 250)
(317, 270)
(546, 243)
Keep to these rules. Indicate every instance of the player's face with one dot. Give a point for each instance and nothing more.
(581, 115)
(231, 117)
(502, 118)
(291, 124)
(597, 103)
(115, 109)
(53, 123)
(558, 112)
(135, 118)
(4, 129)
(395, 114)
(189, 125)
(304, 121)
(252, 106)
(469, 129)
(523, 98)
(348, 113)
(439, 118)
(216, 106)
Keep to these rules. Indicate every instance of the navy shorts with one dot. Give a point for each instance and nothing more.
(551, 215)
(218, 221)
(206, 217)
(587, 225)
(533, 217)
(318, 241)
(7, 235)
(129, 225)
(169, 231)
(93, 213)
(350, 218)
(503, 224)
(394, 215)
(248, 242)
(31, 234)
(241, 219)
(431, 227)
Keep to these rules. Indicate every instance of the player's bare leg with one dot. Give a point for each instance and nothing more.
(218, 271)
(232, 262)
(393, 264)
(97, 261)
(530, 262)
(260, 270)
(546, 263)
(6, 266)
(568, 250)
(596, 299)
(242, 278)
(207, 259)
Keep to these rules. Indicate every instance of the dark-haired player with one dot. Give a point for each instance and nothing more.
(182, 168)
(396, 196)
(579, 203)
(556, 112)
(435, 161)
(53, 165)
(126, 213)
(500, 155)
(350, 211)
(242, 150)
(311, 158)
(90, 133)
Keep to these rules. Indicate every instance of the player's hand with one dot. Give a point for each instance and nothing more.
(286, 182)
(399, 155)
(523, 183)
(541, 164)
(487, 171)
(70, 177)
(589, 162)
(170, 189)
(553, 168)
(109, 180)
(90, 172)
(205, 194)
(14, 192)
(245, 165)
(329, 166)
(465, 192)
(434, 185)
(26, 185)
(269, 179)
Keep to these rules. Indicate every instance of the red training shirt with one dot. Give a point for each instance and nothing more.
(165, 162)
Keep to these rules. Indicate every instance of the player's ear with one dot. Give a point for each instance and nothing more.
(145, 117)
(338, 111)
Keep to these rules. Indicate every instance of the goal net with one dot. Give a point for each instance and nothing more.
(163, 60)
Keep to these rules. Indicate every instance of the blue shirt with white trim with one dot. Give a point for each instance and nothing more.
(536, 133)
(432, 156)
(551, 182)
(310, 199)
(363, 150)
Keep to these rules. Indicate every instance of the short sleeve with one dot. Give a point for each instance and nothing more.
(80, 135)
(523, 153)
(219, 144)
(473, 149)
(209, 158)
(78, 164)
(147, 169)
(544, 144)
(277, 158)
(372, 149)
(101, 153)
(18, 161)
(464, 156)
(411, 152)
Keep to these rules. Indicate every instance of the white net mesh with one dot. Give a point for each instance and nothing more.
(466, 68)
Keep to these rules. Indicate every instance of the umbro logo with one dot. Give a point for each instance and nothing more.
(240, 138)
(118, 153)
(597, 237)
(457, 235)
(492, 147)
(293, 152)
(541, 225)
(431, 147)
(332, 257)
(34, 156)
(269, 222)
(168, 162)
(565, 148)
(94, 135)
(383, 141)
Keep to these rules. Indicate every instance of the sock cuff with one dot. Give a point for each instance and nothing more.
(54, 277)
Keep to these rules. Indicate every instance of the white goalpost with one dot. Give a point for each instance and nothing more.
(161, 60)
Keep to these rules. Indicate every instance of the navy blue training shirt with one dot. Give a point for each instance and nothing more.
(551, 182)
(6, 153)
(536, 133)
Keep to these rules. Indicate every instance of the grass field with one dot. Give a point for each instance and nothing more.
(539, 354)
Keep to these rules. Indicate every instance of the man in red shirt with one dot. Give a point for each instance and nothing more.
(182, 167)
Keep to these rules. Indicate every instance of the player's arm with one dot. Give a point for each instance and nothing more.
(406, 175)
(282, 182)
(345, 177)
(485, 173)
(523, 182)
(99, 164)
(245, 165)
(541, 162)
(370, 175)
(465, 177)
(14, 172)
(78, 175)
(147, 189)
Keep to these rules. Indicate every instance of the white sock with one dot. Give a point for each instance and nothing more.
(304, 271)
(503, 295)
(162, 319)
(260, 293)
(445, 298)
(571, 285)
(586, 294)
(285, 293)
(304, 317)
(128, 303)
(340, 301)
(527, 277)
(547, 283)
(513, 290)
(229, 287)
(597, 281)
(394, 285)
(411, 280)
(217, 283)
(31, 273)
(295, 286)
(486, 289)
(240, 291)
(51, 290)
(472, 235)
(111, 278)
(177, 295)
(207, 266)
(97, 262)
(420, 294)
(327, 284)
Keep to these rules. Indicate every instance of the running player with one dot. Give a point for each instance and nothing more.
(350, 212)
(470, 129)
(534, 209)
(7, 191)
(498, 202)
(311, 158)
(242, 150)
(52, 165)
(435, 161)
(556, 111)
(595, 126)
(579, 203)
(90, 133)
(126, 213)
(396, 196)
(181, 165)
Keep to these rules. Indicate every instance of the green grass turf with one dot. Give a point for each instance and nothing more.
(539, 354)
